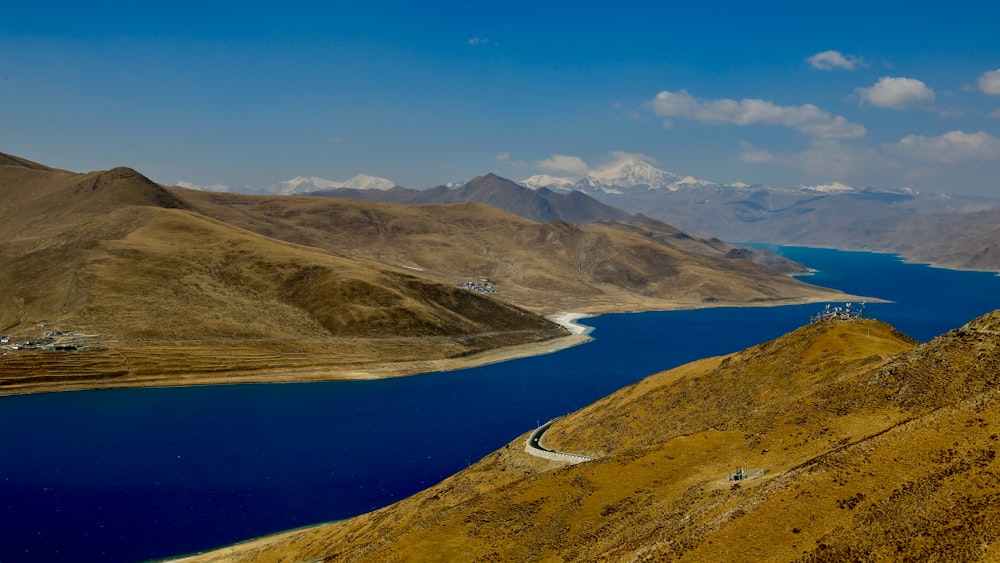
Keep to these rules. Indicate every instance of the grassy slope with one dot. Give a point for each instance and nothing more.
(872, 447)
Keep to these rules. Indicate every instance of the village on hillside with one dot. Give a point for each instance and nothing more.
(51, 340)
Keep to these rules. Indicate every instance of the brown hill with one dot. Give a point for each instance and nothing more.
(856, 444)
(546, 267)
(114, 254)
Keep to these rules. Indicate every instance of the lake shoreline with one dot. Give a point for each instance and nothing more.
(577, 334)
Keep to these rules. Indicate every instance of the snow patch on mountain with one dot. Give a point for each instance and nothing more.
(831, 188)
(632, 173)
(554, 183)
(307, 184)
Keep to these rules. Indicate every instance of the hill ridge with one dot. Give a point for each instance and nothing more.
(11, 160)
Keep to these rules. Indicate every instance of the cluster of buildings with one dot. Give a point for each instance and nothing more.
(52, 340)
(482, 286)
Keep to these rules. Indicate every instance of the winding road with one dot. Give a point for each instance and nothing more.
(534, 447)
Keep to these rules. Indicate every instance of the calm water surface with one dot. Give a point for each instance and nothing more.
(135, 474)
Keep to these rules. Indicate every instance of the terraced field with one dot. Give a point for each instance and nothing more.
(168, 363)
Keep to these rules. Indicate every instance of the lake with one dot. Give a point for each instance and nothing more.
(136, 474)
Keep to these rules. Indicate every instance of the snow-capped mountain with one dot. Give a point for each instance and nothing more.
(308, 184)
(632, 173)
(546, 181)
(623, 177)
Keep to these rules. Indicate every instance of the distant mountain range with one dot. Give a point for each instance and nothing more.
(544, 205)
(949, 230)
(307, 184)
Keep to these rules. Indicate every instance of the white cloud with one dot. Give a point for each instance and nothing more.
(989, 82)
(898, 93)
(829, 60)
(563, 163)
(212, 188)
(806, 119)
(953, 147)
(478, 41)
(753, 155)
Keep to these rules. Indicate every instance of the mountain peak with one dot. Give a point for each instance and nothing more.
(633, 172)
(308, 184)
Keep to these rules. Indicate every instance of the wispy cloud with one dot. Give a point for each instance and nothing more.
(504, 157)
(897, 93)
(806, 119)
(831, 60)
(478, 41)
(954, 147)
(623, 156)
(989, 82)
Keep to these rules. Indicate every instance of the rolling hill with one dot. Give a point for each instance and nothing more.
(841, 441)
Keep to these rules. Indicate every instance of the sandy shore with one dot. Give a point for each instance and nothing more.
(568, 321)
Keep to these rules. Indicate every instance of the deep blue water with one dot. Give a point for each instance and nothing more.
(135, 474)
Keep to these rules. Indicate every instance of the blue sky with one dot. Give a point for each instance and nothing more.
(242, 96)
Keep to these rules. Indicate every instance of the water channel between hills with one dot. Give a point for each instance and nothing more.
(135, 474)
